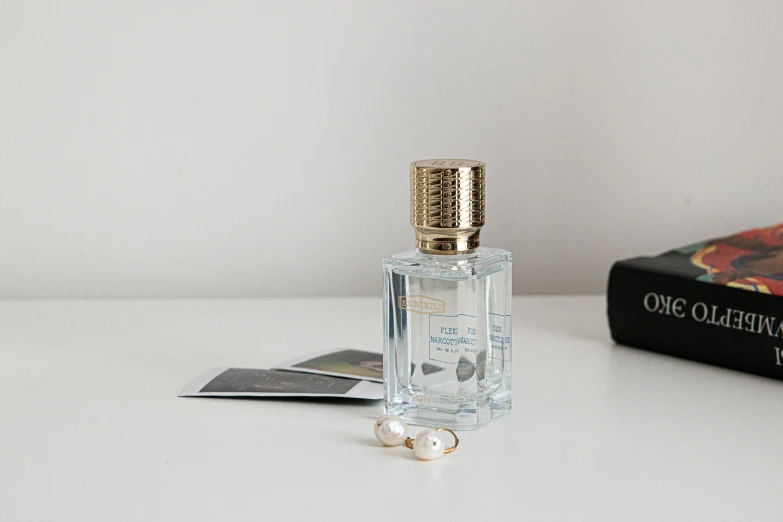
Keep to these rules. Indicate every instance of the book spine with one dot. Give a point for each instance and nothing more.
(715, 324)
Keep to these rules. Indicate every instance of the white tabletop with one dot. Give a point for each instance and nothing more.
(91, 427)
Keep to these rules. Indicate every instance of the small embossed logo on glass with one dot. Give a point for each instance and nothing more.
(421, 304)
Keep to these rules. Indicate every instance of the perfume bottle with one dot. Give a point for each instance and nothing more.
(447, 306)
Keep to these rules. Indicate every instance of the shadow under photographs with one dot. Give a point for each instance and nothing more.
(343, 401)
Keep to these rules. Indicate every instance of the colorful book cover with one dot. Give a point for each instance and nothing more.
(716, 301)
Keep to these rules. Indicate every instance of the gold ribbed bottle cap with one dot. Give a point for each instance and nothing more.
(447, 205)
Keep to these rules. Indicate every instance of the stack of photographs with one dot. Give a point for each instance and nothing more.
(346, 373)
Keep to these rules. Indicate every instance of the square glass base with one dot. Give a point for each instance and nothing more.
(462, 414)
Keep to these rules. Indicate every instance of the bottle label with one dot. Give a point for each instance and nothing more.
(452, 337)
(500, 336)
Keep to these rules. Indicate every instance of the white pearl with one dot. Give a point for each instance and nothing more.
(428, 445)
(391, 430)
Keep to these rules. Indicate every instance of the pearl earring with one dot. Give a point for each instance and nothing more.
(428, 445)
(391, 430)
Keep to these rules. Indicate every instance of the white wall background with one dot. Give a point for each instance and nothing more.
(203, 148)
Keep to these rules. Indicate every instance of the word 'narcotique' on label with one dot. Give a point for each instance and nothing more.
(714, 315)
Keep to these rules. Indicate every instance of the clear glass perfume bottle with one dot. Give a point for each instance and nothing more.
(447, 306)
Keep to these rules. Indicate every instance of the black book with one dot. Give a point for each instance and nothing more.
(719, 302)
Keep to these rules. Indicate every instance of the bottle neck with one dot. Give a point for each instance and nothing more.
(446, 241)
